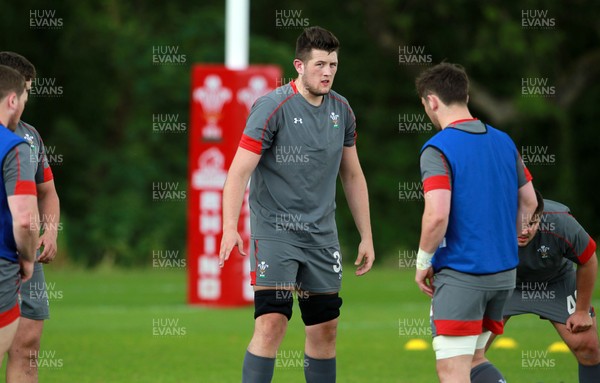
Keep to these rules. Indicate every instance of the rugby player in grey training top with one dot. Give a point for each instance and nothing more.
(19, 218)
(549, 286)
(297, 139)
(23, 353)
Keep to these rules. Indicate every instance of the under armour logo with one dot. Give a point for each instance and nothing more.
(297, 120)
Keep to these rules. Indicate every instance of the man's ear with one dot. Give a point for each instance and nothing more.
(13, 101)
(299, 65)
(432, 101)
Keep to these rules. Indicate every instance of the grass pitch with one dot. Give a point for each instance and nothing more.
(134, 326)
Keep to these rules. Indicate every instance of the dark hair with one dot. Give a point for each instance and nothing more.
(315, 38)
(18, 63)
(447, 81)
(10, 81)
(540, 206)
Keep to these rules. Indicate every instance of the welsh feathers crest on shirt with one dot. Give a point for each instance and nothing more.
(334, 117)
(29, 138)
(543, 250)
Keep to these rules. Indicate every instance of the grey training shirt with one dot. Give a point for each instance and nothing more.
(559, 242)
(292, 190)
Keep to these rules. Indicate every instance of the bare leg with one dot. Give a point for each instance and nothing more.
(7, 334)
(23, 353)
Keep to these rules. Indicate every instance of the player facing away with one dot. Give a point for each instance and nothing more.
(22, 355)
(18, 205)
(296, 141)
(476, 187)
(549, 286)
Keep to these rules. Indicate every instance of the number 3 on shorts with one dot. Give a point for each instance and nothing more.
(337, 267)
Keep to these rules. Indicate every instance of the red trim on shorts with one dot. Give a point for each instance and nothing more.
(453, 123)
(588, 252)
(25, 187)
(9, 316)
(496, 327)
(253, 273)
(251, 144)
(457, 327)
(48, 176)
(436, 182)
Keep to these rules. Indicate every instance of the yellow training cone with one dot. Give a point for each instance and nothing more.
(558, 347)
(416, 345)
(504, 342)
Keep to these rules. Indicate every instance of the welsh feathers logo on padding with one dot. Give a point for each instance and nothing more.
(334, 117)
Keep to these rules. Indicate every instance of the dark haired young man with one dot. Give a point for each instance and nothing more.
(297, 139)
(548, 285)
(22, 355)
(476, 187)
(19, 226)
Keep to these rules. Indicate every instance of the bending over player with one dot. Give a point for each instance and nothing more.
(549, 286)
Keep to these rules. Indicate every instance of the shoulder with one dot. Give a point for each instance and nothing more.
(10, 138)
(557, 219)
(278, 96)
(436, 140)
(25, 126)
(555, 207)
(338, 98)
(499, 134)
(27, 131)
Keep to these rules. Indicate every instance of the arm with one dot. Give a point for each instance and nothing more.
(20, 188)
(433, 229)
(242, 166)
(49, 207)
(435, 219)
(23, 209)
(581, 320)
(357, 195)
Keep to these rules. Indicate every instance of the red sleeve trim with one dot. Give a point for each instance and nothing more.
(528, 175)
(436, 182)
(251, 144)
(25, 188)
(10, 315)
(354, 142)
(293, 85)
(48, 176)
(588, 252)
